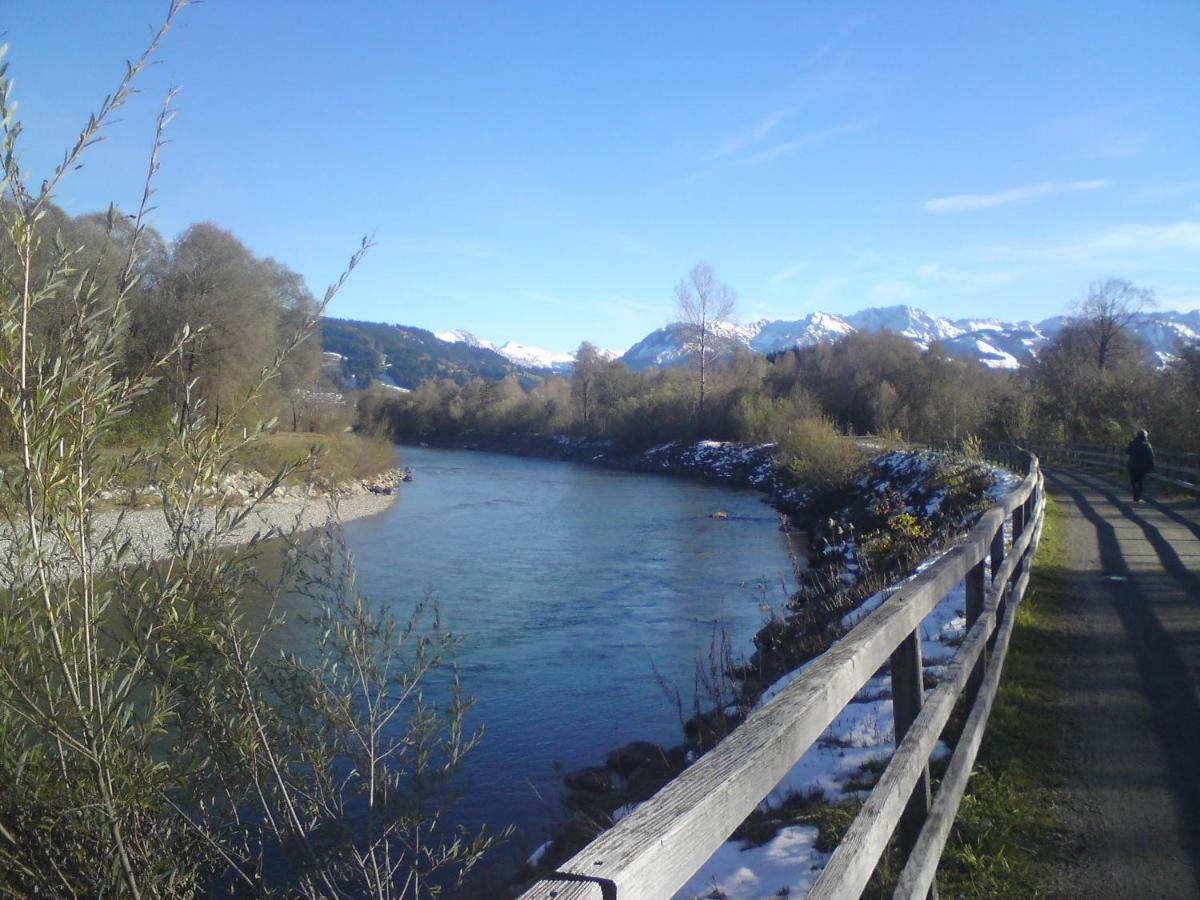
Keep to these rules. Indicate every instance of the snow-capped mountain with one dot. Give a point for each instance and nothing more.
(665, 346)
(518, 354)
(535, 357)
(458, 336)
(995, 344)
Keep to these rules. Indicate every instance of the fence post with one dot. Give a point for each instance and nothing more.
(908, 694)
(1018, 527)
(997, 550)
(975, 591)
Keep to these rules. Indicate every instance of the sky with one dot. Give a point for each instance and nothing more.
(547, 172)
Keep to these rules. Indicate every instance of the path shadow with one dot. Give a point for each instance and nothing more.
(1166, 680)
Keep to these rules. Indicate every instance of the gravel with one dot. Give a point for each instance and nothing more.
(150, 538)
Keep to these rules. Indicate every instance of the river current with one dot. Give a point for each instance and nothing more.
(576, 590)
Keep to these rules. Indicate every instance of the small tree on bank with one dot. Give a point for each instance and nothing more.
(701, 302)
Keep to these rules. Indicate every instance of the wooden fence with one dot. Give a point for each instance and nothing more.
(1179, 470)
(654, 850)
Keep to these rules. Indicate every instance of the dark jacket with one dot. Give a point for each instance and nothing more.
(1141, 457)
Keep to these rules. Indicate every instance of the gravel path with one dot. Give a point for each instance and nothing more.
(1131, 695)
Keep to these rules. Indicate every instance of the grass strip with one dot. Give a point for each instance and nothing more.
(1007, 839)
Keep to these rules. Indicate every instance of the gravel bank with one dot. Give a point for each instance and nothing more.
(147, 528)
(292, 508)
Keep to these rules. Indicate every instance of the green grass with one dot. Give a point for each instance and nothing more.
(1007, 839)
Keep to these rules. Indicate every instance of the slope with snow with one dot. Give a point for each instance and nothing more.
(991, 342)
(535, 357)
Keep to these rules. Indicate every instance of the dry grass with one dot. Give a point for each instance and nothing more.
(338, 457)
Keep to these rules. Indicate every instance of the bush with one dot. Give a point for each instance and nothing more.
(818, 456)
(150, 745)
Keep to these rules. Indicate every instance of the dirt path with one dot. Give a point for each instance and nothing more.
(1132, 691)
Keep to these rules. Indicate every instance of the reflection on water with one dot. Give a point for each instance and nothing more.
(570, 585)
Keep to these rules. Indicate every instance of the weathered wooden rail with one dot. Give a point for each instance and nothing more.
(652, 852)
(1179, 470)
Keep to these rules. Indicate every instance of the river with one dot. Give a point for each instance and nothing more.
(570, 586)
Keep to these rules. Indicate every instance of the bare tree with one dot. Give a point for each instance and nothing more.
(1107, 310)
(701, 301)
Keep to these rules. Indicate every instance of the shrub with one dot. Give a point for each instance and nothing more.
(150, 745)
(818, 456)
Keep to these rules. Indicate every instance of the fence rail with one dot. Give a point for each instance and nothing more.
(1179, 470)
(654, 850)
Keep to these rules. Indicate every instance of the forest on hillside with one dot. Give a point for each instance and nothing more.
(1092, 383)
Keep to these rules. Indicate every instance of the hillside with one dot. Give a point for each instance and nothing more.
(407, 356)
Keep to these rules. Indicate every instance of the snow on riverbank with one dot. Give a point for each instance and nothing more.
(833, 769)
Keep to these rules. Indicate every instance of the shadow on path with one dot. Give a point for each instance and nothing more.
(1143, 595)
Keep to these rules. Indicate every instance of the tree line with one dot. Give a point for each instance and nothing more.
(1093, 382)
(243, 308)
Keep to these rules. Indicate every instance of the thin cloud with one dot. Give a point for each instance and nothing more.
(636, 305)
(1176, 236)
(1170, 190)
(939, 272)
(439, 246)
(811, 139)
(787, 273)
(892, 292)
(752, 137)
(538, 297)
(964, 202)
(1132, 247)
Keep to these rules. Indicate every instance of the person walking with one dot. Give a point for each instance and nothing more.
(1141, 462)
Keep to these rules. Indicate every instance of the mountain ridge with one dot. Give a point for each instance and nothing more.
(991, 342)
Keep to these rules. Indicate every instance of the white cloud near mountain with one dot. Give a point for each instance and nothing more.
(787, 273)
(892, 292)
(1177, 235)
(939, 272)
(964, 202)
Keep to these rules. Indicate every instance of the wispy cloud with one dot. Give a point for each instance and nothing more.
(1170, 190)
(892, 292)
(942, 273)
(1177, 236)
(441, 246)
(801, 142)
(635, 305)
(1134, 247)
(964, 202)
(753, 137)
(787, 273)
(1110, 132)
(539, 297)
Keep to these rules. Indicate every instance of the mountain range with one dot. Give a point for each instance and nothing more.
(403, 356)
(991, 342)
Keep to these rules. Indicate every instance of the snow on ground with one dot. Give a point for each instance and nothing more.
(861, 735)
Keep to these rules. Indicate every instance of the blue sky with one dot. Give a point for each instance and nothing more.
(545, 172)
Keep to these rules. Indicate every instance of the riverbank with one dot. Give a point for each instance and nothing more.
(864, 538)
(289, 509)
(293, 510)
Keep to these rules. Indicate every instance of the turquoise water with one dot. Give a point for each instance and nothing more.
(570, 586)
